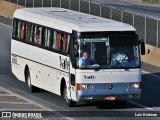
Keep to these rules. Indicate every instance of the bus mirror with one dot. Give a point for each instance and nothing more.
(74, 34)
(142, 47)
(74, 37)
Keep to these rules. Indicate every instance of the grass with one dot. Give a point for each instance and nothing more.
(152, 1)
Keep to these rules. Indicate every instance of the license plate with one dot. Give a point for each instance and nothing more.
(110, 98)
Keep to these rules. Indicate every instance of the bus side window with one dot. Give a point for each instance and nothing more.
(64, 41)
(54, 40)
(58, 41)
(14, 32)
(20, 30)
(46, 37)
(29, 31)
(68, 41)
(38, 35)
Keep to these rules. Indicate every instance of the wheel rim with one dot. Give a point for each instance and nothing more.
(29, 81)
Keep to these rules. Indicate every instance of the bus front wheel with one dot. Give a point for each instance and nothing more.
(68, 101)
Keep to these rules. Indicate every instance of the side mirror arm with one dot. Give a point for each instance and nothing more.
(142, 43)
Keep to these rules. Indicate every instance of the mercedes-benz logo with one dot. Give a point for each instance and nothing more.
(110, 87)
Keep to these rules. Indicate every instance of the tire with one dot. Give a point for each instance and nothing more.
(68, 102)
(31, 88)
(121, 102)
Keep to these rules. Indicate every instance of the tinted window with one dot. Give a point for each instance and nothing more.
(14, 28)
(54, 39)
(38, 35)
(46, 37)
(20, 30)
(58, 41)
(29, 32)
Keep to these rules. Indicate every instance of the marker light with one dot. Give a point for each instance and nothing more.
(78, 86)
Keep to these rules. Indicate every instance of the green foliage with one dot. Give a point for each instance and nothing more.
(152, 1)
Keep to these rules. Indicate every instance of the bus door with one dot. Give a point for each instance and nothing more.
(73, 66)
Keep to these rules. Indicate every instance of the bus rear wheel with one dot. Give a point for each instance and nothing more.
(68, 101)
(31, 88)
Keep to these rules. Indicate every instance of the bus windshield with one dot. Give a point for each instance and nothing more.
(110, 52)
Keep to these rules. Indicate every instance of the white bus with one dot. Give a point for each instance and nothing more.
(76, 55)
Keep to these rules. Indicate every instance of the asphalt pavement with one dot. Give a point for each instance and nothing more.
(6, 21)
(133, 6)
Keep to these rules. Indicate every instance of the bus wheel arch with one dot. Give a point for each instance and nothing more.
(26, 72)
(62, 85)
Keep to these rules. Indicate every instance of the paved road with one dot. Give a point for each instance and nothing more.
(148, 9)
(149, 101)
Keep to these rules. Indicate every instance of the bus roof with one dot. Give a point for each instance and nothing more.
(68, 20)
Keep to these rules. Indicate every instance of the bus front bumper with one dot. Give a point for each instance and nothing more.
(89, 96)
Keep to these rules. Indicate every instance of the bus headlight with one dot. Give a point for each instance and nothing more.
(135, 85)
(84, 86)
